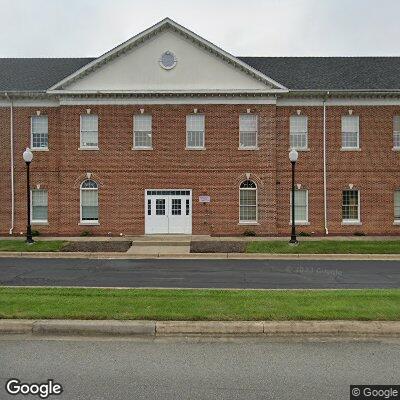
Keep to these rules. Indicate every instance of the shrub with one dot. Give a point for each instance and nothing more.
(304, 234)
(359, 233)
(35, 232)
(86, 233)
(249, 232)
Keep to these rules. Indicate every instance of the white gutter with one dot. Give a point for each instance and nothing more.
(12, 162)
(325, 195)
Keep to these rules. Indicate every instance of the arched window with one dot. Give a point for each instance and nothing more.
(248, 202)
(89, 202)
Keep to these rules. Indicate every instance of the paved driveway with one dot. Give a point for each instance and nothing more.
(200, 273)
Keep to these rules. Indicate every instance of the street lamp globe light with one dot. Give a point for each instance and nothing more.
(28, 157)
(293, 155)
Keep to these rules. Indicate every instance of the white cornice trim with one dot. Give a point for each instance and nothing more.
(340, 101)
(68, 101)
(213, 92)
(141, 37)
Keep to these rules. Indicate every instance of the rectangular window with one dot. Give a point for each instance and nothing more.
(397, 205)
(350, 132)
(39, 211)
(396, 132)
(298, 132)
(176, 207)
(90, 205)
(148, 207)
(89, 131)
(39, 132)
(187, 207)
(248, 206)
(142, 131)
(160, 206)
(248, 127)
(195, 131)
(351, 206)
(300, 206)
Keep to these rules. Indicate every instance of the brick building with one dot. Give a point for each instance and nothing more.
(168, 133)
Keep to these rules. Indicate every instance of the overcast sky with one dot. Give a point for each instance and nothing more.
(78, 28)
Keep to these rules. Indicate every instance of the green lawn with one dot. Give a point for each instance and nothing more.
(20, 245)
(169, 304)
(326, 247)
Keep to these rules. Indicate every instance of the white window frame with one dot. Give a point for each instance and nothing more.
(248, 222)
(255, 147)
(352, 221)
(135, 146)
(396, 220)
(188, 130)
(33, 148)
(396, 133)
(39, 221)
(94, 221)
(299, 222)
(350, 148)
(82, 146)
(292, 132)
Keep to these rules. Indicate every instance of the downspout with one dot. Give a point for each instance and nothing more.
(12, 162)
(325, 184)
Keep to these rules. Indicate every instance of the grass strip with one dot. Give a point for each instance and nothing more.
(224, 305)
(326, 247)
(21, 245)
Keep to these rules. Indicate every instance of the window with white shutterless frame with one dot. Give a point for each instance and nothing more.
(351, 206)
(39, 132)
(142, 131)
(298, 132)
(350, 132)
(89, 199)
(195, 131)
(248, 203)
(248, 131)
(396, 201)
(300, 206)
(89, 131)
(396, 132)
(39, 206)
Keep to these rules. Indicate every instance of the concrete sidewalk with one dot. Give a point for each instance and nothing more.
(187, 238)
(197, 256)
(207, 328)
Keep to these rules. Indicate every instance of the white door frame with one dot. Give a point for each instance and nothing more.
(166, 228)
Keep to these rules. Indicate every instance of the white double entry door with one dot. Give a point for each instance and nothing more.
(168, 211)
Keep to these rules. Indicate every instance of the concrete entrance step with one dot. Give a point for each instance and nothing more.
(159, 249)
(161, 241)
(161, 244)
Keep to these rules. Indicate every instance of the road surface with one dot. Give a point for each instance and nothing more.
(170, 369)
(257, 274)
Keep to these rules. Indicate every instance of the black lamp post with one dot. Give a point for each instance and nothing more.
(293, 156)
(28, 156)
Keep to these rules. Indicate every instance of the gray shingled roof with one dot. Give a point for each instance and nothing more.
(296, 73)
(340, 73)
(36, 74)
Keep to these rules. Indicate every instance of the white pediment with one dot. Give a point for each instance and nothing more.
(198, 68)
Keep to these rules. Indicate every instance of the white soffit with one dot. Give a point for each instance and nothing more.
(134, 66)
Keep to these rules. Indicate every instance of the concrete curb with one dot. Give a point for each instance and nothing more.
(206, 328)
(204, 256)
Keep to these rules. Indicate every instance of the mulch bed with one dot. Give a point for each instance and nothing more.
(217, 247)
(96, 247)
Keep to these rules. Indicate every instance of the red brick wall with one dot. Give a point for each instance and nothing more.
(124, 174)
(374, 170)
